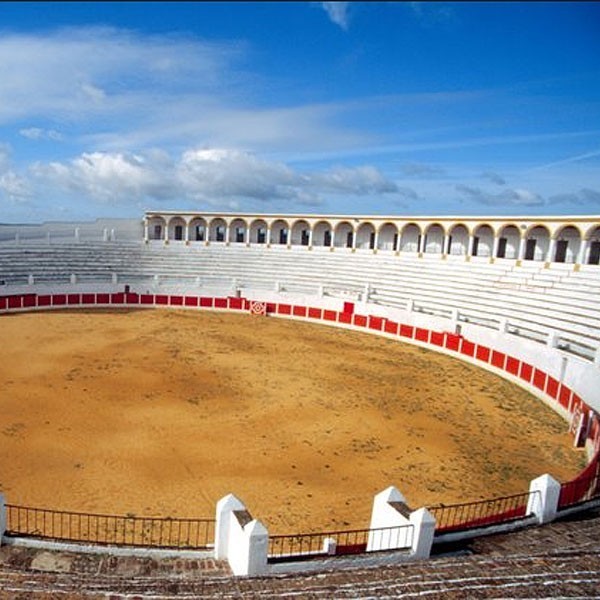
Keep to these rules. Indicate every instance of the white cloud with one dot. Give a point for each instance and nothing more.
(494, 177)
(507, 197)
(584, 196)
(421, 170)
(338, 13)
(14, 187)
(36, 133)
(204, 176)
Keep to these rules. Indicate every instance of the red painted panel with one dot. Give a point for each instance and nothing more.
(564, 396)
(2, 302)
(467, 348)
(483, 354)
(147, 298)
(88, 299)
(576, 402)
(552, 387)
(44, 300)
(437, 338)
(407, 330)
(191, 300)
(117, 298)
(59, 300)
(349, 307)
(206, 302)
(452, 341)
(498, 359)
(271, 308)
(220, 302)
(526, 372)
(360, 320)
(391, 327)
(15, 301)
(284, 309)
(375, 323)
(299, 311)
(132, 298)
(344, 317)
(314, 313)
(539, 379)
(421, 334)
(329, 315)
(102, 299)
(235, 303)
(161, 299)
(74, 299)
(512, 365)
(176, 300)
(29, 300)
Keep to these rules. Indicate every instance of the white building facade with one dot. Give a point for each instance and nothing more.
(565, 239)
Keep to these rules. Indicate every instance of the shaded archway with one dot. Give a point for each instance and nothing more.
(344, 235)
(458, 240)
(483, 241)
(258, 232)
(365, 236)
(434, 239)
(410, 238)
(387, 238)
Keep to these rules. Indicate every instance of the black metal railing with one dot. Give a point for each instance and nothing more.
(470, 515)
(102, 529)
(356, 541)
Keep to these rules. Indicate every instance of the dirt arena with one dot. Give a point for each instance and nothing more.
(164, 412)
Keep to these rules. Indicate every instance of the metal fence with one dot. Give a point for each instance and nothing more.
(583, 488)
(355, 541)
(109, 529)
(470, 515)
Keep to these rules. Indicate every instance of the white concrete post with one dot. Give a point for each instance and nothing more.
(248, 546)
(320, 291)
(410, 305)
(17, 239)
(73, 279)
(521, 252)
(470, 245)
(2, 517)
(30, 279)
(104, 235)
(145, 230)
(385, 515)
(495, 244)
(550, 253)
(329, 546)
(503, 325)
(424, 530)
(552, 339)
(367, 292)
(544, 502)
(113, 235)
(225, 506)
(597, 358)
(77, 238)
(115, 278)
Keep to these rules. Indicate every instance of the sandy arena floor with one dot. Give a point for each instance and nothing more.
(164, 412)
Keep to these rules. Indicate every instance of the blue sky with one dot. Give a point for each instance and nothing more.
(397, 108)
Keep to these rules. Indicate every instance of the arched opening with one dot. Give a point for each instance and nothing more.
(458, 240)
(237, 231)
(593, 252)
(280, 232)
(508, 242)
(344, 235)
(198, 230)
(217, 230)
(322, 234)
(300, 233)
(567, 245)
(156, 228)
(388, 237)
(177, 229)
(434, 239)
(537, 242)
(483, 241)
(258, 232)
(410, 238)
(365, 236)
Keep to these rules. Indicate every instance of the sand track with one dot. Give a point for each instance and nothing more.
(164, 412)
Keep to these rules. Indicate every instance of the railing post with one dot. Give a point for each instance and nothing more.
(424, 530)
(249, 546)
(225, 506)
(2, 517)
(544, 493)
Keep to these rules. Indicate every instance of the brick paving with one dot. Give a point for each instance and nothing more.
(560, 560)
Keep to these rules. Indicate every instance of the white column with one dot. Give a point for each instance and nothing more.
(145, 230)
(550, 253)
(310, 237)
(376, 241)
(187, 232)
(421, 243)
(470, 245)
(166, 237)
(354, 239)
(543, 498)
(582, 252)
(269, 232)
(495, 246)
(332, 237)
(227, 228)
(521, 252)
(446, 239)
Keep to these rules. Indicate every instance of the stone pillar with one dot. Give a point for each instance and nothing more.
(410, 305)
(166, 237)
(145, 230)
(582, 252)
(354, 239)
(225, 506)
(310, 237)
(495, 246)
(521, 251)
(77, 234)
(73, 279)
(2, 517)
(30, 279)
(552, 339)
(186, 237)
(470, 244)
(550, 254)
(424, 530)
(227, 232)
(422, 243)
(104, 235)
(376, 241)
(269, 232)
(503, 325)
(543, 499)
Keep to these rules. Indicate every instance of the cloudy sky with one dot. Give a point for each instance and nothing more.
(398, 108)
